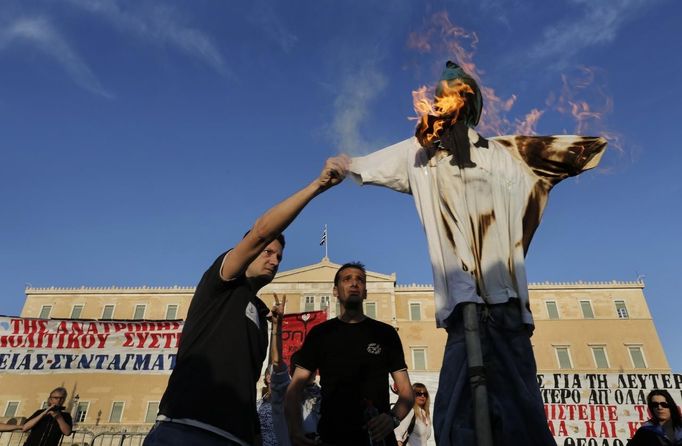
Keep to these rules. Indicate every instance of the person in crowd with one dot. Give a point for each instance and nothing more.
(354, 355)
(280, 379)
(211, 394)
(415, 429)
(665, 426)
(48, 425)
(264, 409)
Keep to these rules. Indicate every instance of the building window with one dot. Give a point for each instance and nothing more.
(139, 311)
(11, 409)
(552, 310)
(152, 411)
(637, 356)
(415, 311)
(600, 359)
(116, 412)
(564, 357)
(324, 303)
(418, 358)
(621, 309)
(76, 311)
(586, 307)
(82, 411)
(45, 311)
(371, 309)
(108, 312)
(309, 303)
(171, 312)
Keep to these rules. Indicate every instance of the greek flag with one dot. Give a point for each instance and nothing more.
(323, 240)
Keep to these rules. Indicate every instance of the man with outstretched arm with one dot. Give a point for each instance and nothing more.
(211, 394)
(354, 355)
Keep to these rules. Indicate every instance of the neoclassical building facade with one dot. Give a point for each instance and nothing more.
(581, 328)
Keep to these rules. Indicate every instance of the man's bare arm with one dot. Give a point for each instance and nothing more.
(276, 359)
(27, 426)
(276, 220)
(63, 425)
(405, 394)
(382, 425)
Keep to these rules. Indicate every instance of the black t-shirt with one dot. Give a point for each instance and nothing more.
(354, 361)
(46, 432)
(222, 348)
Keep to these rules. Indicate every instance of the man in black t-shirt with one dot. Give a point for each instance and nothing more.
(211, 394)
(354, 355)
(48, 425)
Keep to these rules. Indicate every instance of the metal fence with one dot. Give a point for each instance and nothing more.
(80, 438)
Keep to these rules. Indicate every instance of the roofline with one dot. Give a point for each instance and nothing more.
(144, 289)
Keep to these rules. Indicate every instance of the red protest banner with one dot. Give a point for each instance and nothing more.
(295, 328)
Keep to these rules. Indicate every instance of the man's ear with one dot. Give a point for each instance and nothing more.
(335, 292)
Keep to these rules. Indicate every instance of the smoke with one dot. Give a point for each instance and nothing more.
(357, 91)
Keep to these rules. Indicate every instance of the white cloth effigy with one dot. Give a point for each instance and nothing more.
(479, 221)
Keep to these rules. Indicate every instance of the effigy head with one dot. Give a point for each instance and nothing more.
(457, 99)
(455, 81)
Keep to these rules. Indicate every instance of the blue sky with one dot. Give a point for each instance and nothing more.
(139, 139)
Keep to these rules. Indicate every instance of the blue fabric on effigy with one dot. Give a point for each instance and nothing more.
(515, 402)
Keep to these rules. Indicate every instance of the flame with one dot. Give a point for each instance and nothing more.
(456, 43)
(418, 42)
(434, 113)
(582, 98)
(527, 126)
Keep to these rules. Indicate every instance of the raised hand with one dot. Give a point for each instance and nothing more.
(277, 311)
(334, 171)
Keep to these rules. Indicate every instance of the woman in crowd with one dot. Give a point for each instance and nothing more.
(664, 427)
(415, 429)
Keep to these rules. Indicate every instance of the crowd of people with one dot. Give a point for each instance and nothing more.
(48, 425)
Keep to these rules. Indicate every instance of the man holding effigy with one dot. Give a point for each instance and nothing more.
(480, 202)
(211, 394)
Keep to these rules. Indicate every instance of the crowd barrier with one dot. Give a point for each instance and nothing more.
(80, 438)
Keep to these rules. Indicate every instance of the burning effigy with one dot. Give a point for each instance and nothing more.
(480, 201)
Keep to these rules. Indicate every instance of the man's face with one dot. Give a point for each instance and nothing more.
(56, 399)
(352, 287)
(264, 267)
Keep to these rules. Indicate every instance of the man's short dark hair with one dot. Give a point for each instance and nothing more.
(279, 238)
(356, 265)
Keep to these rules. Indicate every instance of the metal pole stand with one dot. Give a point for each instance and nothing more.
(477, 378)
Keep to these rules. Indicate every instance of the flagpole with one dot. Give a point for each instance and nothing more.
(326, 242)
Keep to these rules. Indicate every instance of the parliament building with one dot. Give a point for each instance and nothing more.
(593, 329)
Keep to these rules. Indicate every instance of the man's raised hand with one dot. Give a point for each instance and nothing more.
(334, 171)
